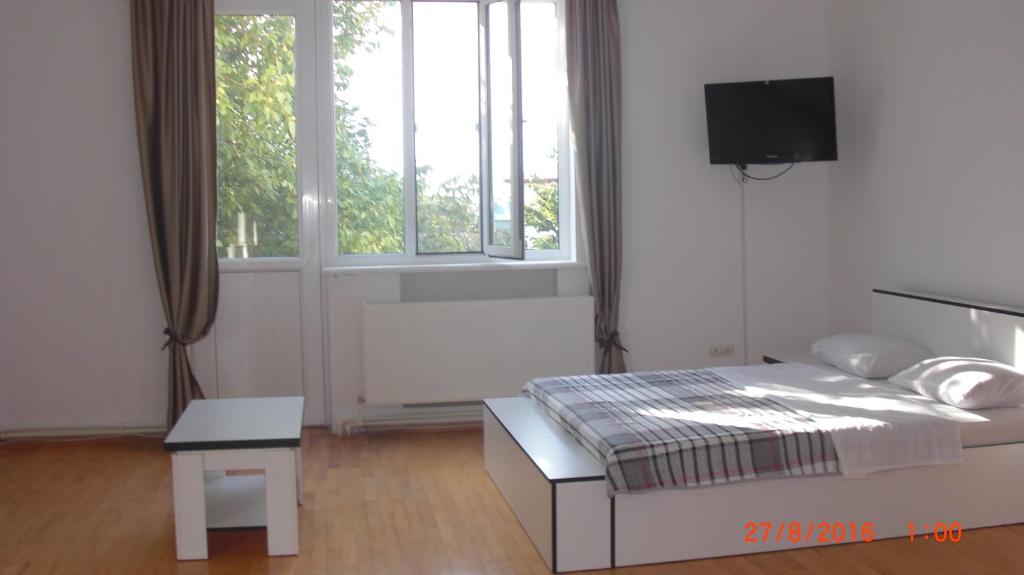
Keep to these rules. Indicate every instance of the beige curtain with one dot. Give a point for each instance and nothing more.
(173, 58)
(595, 100)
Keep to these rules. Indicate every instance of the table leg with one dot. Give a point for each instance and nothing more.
(282, 513)
(189, 505)
(298, 474)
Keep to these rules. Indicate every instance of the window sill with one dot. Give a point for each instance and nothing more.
(295, 265)
(249, 265)
(455, 267)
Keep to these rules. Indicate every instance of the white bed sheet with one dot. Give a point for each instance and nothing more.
(874, 426)
(978, 428)
(993, 427)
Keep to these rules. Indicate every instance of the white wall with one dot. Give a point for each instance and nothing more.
(928, 192)
(80, 317)
(80, 320)
(682, 270)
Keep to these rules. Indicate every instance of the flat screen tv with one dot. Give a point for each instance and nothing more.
(771, 122)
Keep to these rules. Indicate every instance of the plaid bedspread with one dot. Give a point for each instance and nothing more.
(683, 429)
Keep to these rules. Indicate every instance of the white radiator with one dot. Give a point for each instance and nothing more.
(471, 350)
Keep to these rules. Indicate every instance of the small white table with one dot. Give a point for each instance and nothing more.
(218, 435)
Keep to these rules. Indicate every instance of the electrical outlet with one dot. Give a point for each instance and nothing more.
(723, 350)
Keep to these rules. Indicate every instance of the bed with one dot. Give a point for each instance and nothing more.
(577, 517)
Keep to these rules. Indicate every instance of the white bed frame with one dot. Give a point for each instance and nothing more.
(557, 489)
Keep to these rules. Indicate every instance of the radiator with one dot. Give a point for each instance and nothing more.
(471, 350)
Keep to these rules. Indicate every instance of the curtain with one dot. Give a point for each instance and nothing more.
(173, 61)
(595, 97)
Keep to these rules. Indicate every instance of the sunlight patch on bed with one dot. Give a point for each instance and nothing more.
(764, 420)
(732, 418)
(864, 402)
(897, 401)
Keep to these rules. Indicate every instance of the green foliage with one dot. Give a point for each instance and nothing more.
(371, 213)
(449, 219)
(256, 133)
(541, 217)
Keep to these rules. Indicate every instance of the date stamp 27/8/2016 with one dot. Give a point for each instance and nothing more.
(843, 532)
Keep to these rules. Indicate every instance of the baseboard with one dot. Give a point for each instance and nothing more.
(70, 432)
(87, 432)
(419, 417)
(413, 418)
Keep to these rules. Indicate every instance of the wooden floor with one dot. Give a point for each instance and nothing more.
(391, 503)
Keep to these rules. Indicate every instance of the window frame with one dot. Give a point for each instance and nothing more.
(410, 257)
(409, 110)
(316, 170)
(306, 177)
(516, 250)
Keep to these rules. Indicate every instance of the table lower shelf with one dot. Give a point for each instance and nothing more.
(235, 501)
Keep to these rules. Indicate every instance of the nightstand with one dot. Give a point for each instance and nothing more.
(806, 357)
(217, 435)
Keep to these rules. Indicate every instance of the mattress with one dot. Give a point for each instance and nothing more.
(978, 428)
(693, 428)
(755, 422)
(683, 428)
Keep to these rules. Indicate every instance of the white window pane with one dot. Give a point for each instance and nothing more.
(501, 124)
(368, 126)
(446, 68)
(543, 83)
(257, 212)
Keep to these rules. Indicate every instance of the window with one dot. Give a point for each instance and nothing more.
(446, 106)
(450, 130)
(439, 128)
(368, 132)
(256, 162)
(502, 135)
(545, 131)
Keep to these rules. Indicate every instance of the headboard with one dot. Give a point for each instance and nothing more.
(948, 326)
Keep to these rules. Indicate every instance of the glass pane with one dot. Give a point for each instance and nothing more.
(501, 124)
(257, 212)
(543, 84)
(445, 50)
(368, 126)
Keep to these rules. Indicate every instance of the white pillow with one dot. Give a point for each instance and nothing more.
(868, 356)
(965, 382)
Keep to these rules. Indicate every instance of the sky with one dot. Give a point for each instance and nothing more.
(446, 96)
